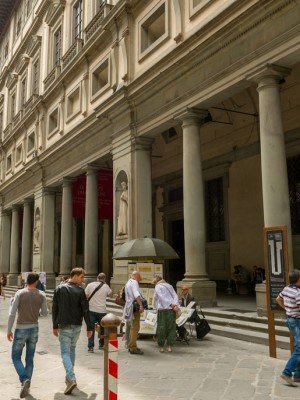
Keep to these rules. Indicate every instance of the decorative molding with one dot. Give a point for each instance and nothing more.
(54, 12)
(34, 45)
(177, 4)
(22, 64)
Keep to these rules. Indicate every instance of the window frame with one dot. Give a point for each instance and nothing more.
(8, 170)
(107, 86)
(77, 33)
(142, 54)
(69, 96)
(57, 46)
(19, 150)
(56, 129)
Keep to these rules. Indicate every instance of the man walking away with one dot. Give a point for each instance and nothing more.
(289, 300)
(166, 303)
(132, 293)
(70, 306)
(28, 302)
(96, 293)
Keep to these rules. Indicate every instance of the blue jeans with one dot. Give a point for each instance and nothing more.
(22, 337)
(68, 338)
(293, 364)
(94, 318)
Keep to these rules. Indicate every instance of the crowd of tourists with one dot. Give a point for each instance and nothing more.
(73, 303)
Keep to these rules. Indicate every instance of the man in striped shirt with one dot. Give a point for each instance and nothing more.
(289, 300)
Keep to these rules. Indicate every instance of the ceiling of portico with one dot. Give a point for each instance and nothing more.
(6, 7)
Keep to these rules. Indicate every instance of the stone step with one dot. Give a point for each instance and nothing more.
(249, 316)
(240, 324)
(282, 342)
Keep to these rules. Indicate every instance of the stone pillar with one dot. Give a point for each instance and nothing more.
(142, 188)
(91, 223)
(12, 278)
(66, 227)
(47, 236)
(5, 242)
(202, 288)
(276, 203)
(26, 237)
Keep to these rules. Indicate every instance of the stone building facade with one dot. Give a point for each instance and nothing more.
(189, 108)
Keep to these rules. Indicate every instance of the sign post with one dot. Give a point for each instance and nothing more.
(277, 268)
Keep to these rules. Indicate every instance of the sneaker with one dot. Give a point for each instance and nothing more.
(68, 380)
(71, 385)
(136, 351)
(288, 380)
(90, 350)
(25, 388)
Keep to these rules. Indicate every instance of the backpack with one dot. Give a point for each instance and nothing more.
(121, 298)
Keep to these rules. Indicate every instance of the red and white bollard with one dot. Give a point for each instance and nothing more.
(110, 323)
(113, 369)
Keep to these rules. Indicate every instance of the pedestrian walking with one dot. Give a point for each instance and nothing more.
(97, 293)
(131, 316)
(70, 306)
(289, 300)
(27, 302)
(166, 303)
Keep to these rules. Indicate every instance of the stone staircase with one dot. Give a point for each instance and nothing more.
(245, 326)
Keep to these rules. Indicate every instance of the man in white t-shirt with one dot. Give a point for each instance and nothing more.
(132, 292)
(96, 293)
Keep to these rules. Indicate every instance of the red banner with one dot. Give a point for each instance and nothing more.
(105, 195)
(78, 190)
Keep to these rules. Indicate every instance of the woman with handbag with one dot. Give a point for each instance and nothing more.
(167, 305)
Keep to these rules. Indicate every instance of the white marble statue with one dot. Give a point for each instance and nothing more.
(37, 231)
(123, 211)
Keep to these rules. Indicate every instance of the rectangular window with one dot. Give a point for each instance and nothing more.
(53, 121)
(100, 77)
(214, 204)
(30, 142)
(57, 47)
(73, 103)
(8, 163)
(35, 77)
(1, 123)
(153, 28)
(13, 105)
(77, 20)
(293, 166)
(23, 92)
(19, 154)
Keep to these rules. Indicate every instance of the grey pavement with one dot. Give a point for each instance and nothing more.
(214, 369)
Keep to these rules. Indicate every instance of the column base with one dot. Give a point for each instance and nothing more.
(50, 281)
(90, 278)
(13, 279)
(204, 291)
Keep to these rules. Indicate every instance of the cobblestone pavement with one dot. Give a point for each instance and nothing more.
(214, 369)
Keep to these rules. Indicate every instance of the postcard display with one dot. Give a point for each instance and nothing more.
(149, 317)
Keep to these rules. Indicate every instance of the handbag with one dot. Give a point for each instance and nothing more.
(136, 306)
(202, 327)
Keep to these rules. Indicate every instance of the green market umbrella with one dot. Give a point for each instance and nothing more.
(145, 249)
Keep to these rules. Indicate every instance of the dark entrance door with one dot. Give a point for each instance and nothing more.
(176, 267)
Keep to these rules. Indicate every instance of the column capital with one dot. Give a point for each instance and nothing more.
(67, 181)
(268, 75)
(28, 200)
(48, 191)
(191, 115)
(91, 168)
(15, 207)
(142, 143)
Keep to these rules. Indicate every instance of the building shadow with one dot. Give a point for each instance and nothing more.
(78, 394)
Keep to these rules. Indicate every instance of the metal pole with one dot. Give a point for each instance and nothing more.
(110, 378)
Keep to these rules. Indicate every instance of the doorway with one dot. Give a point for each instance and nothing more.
(176, 268)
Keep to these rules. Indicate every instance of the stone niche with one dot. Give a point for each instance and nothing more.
(121, 206)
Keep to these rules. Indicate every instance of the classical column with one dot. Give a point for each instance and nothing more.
(276, 203)
(47, 235)
(26, 236)
(14, 247)
(141, 221)
(66, 227)
(91, 223)
(5, 241)
(194, 209)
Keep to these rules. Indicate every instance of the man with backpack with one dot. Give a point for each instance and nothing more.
(96, 293)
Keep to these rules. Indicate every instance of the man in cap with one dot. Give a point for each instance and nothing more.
(186, 299)
(132, 293)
